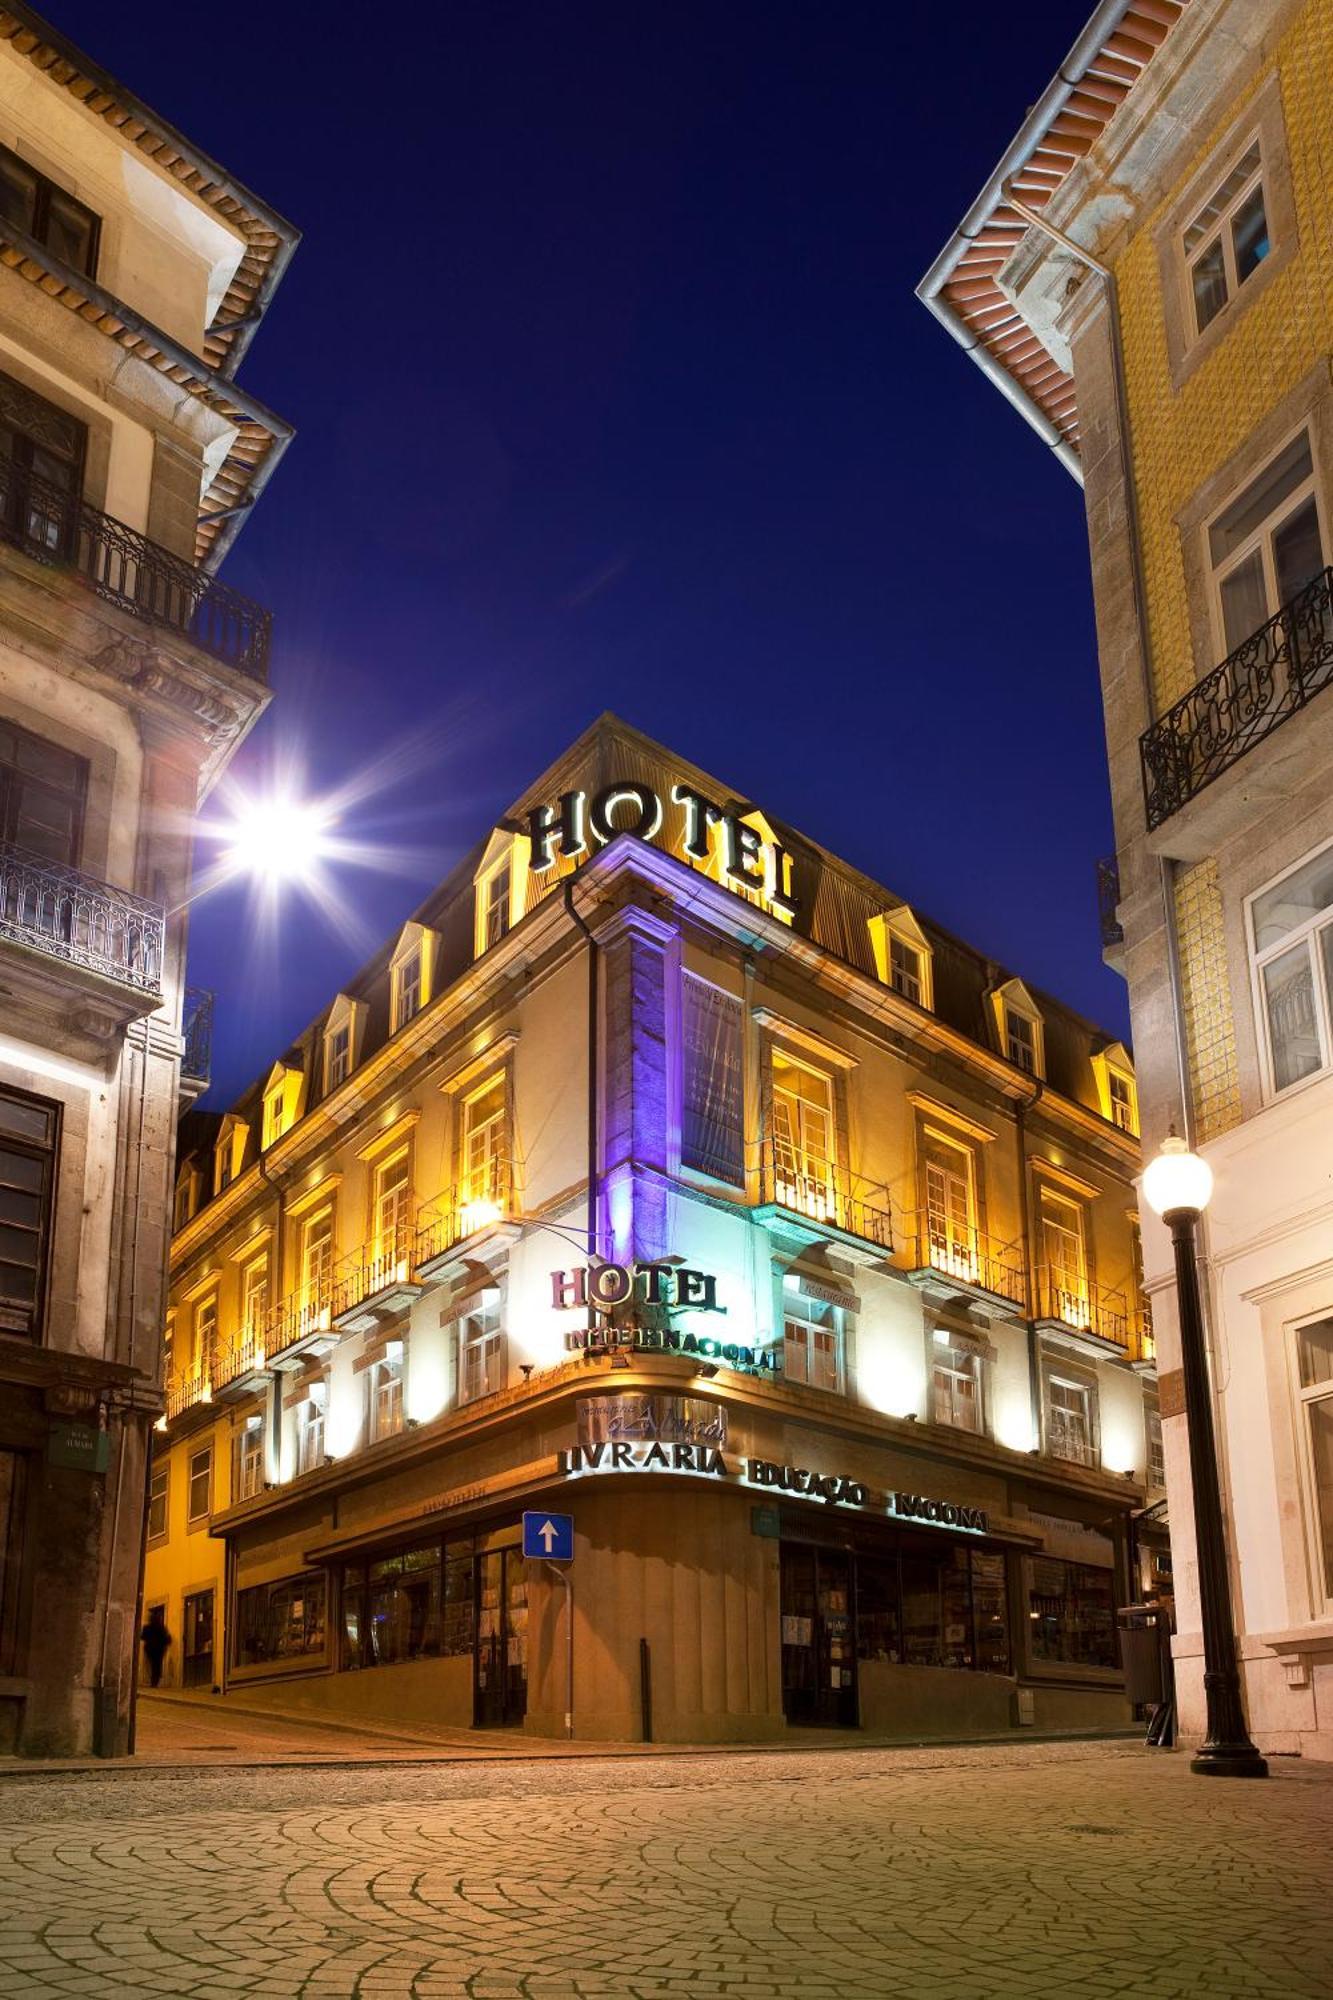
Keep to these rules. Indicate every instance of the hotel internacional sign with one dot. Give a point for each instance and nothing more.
(663, 1288)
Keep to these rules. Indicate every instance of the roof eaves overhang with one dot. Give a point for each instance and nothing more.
(262, 436)
(961, 287)
(270, 239)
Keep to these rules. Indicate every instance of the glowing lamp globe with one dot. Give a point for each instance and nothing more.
(1177, 1179)
(279, 838)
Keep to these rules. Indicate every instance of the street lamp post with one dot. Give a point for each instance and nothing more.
(1177, 1185)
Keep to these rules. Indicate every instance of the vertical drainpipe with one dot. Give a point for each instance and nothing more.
(1167, 867)
(1029, 1261)
(594, 1178)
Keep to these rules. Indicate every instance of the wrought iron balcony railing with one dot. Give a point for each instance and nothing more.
(466, 1211)
(969, 1258)
(127, 569)
(304, 1315)
(187, 1390)
(245, 1355)
(74, 917)
(197, 1032)
(1108, 901)
(1067, 1299)
(379, 1274)
(819, 1192)
(1257, 688)
(1142, 1339)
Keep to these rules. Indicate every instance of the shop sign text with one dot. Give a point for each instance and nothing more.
(942, 1513)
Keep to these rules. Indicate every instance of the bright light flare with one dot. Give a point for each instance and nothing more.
(276, 840)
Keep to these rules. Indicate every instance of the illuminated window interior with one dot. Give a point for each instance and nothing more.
(803, 1138)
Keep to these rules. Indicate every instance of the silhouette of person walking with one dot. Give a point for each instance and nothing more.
(156, 1639)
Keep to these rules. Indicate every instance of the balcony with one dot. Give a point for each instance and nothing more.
(1142, 1340)
(197, 1034)
(101, 945)
(302, 1323)
(960, 1262)
(812, 1201)
(187, 1390)
(126, 569)
(1272, 677)
(242, 1365)
(376, 1282)
(459, 1221)
(1091, 1318)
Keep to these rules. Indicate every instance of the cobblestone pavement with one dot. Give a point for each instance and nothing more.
(1026, 1870)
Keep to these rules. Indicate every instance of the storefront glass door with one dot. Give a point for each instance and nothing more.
(501, 1670)
(818, 1637)
(197, 1641)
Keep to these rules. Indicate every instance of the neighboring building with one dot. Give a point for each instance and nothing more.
(1149, 277)
(864, 1440)
(133, 271)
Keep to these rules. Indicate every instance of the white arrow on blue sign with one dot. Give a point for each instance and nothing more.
(548, 1537)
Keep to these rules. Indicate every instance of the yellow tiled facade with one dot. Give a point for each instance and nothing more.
(1209, 1033)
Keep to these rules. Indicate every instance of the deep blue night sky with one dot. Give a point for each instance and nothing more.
(611, 391)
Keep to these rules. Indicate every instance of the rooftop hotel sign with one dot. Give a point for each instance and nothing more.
(708, 833)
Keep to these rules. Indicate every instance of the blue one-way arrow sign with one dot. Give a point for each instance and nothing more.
(549, 1537)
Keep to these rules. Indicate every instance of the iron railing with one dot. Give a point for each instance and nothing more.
(377, 1266)
(1070, 1300)
(970, 1257)
(820, 1192)
(67, 915)
(186, 1391)
(244, 1355)
(1108, 901)
(1142, 1339)
(127, 569)
(1273, 675)
(303, 1313)
(465, 1212)
(197, 1031)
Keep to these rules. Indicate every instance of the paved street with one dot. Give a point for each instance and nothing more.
(1038, 1870)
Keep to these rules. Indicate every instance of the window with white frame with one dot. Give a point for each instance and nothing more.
(391, 1202)
(1228, 239)
(254, 1298)
(337, 1055)
(1156, 1449)
(247, 1460)
(1064, 1258)
(200, 1486)
(407, 987)
(206, 1336)
(803, 1138)
(949, 1177)
(1291, 928)
(310, 1428)
(904, 968)
(1266, 546)
(1020, 1040)
(225, 1153)
(316, 1259)
(493, 905)
(1070, 1432)
(956, 1383)
(384, 1393)
(1314, 1371)
(159, 1487)
(482, 1357)
(185, 1188)
(484, 1151)
(275, 1115)
(812, 1341)
(1123, 1099)
(712, 1139)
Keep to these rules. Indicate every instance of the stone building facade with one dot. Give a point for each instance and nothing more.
(1147, 275)
(132, 269)
(664, 1171)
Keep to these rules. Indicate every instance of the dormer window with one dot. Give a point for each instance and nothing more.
(904, 960)
(410, 975)
(282, 1093)
(1019, 1027)
(273, 1122)
(229, 1152)
(45, 212)
(185, 1197)
(499, 887)
(338, 1056)
(1117, 1090)
(494, 893)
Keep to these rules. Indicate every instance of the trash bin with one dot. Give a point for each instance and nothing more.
(1141, 1654)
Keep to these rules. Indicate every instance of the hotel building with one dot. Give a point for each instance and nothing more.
(666, 1172)
(133, 270)
(1147, 277)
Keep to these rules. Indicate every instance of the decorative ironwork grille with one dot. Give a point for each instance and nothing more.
(56, 910)
(127, 569)
(1275, 673)
(1108, 900)
(197, 1031)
